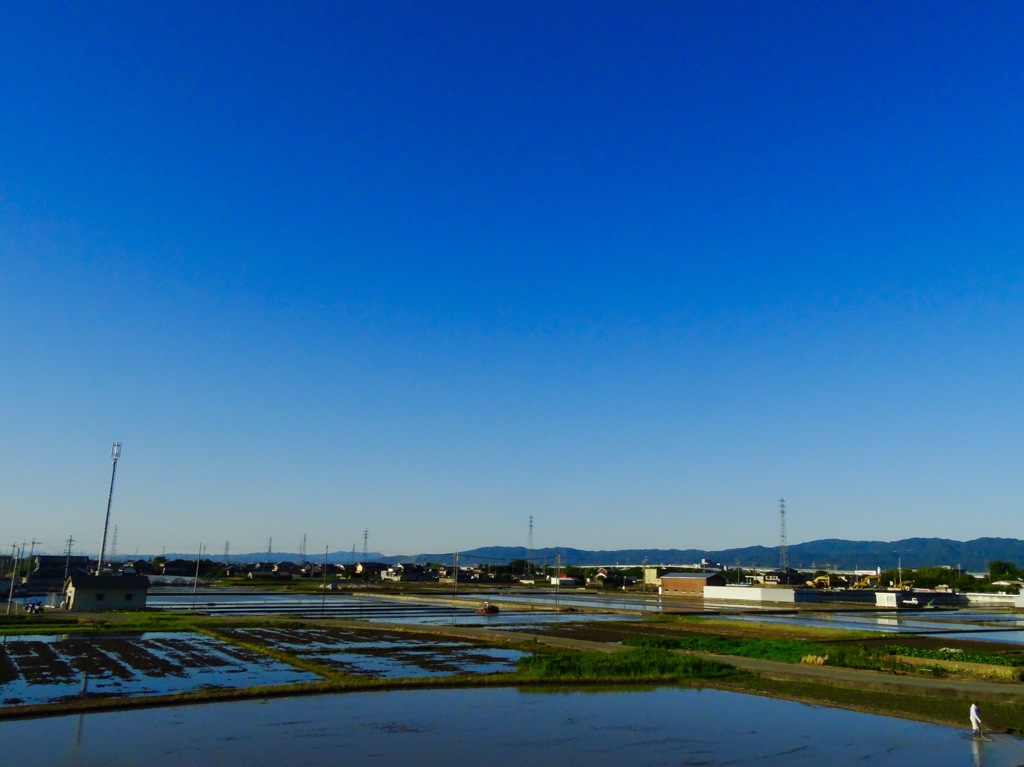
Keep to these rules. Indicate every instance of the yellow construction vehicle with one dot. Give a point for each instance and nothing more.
(867, 582)
(827, 581)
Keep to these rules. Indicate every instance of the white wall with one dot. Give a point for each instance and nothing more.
(995, 600)
(754, 594)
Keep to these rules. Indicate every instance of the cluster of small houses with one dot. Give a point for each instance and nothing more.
(127, 589)
(335, 570)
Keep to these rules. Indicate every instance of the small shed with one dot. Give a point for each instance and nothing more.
(84, 592)
(689, 584)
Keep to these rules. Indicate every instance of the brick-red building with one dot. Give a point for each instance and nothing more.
(689, 584)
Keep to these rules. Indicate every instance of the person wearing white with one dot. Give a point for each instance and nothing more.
(975, 719)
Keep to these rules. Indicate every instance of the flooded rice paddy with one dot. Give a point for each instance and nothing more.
(641, 728)
(539, 609)
(385, 654)
(423, 611)
(52, 669)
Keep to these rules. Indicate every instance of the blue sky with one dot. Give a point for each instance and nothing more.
(427, 269)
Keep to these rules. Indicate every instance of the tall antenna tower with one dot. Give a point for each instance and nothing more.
(366, 537)
(302, 548)
(115, 453)
(270, 550)
(353, 553)
(529, 545)
(113, 546)
(783, 547)
(227, 547)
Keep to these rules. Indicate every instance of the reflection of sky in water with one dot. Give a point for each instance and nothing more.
(665, 726)
(391, 656)
(416, 612)
(988, 624)
(402, 664)
(202, 662)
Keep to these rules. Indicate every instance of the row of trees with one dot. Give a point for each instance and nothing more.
(1002, 576)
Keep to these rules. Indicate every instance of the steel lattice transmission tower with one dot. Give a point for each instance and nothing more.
(366, 538)
(115, 453)
(529, 547)
(783, 546)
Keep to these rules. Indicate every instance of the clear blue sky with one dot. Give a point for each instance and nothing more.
(429, 268)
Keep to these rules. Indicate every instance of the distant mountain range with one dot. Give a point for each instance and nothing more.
(828, 553)
(824, 554)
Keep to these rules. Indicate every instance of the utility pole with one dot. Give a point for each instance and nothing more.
(67, 560)
(323, 598)
(115, 453)
(558, 576)
(455, 588)
(31, 551)
(195, 581)
(14, 572)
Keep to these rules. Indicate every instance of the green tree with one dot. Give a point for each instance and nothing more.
(1003, 571)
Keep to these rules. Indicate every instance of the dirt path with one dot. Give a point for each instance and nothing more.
(874, 680)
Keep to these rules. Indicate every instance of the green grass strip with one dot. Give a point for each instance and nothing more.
(782, 650)
(643, 664)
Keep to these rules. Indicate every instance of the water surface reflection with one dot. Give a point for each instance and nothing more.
(665, 726)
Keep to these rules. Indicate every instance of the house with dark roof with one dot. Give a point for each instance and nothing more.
(786, 577)
(407, 571)
(370, 570)
(105, 592)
